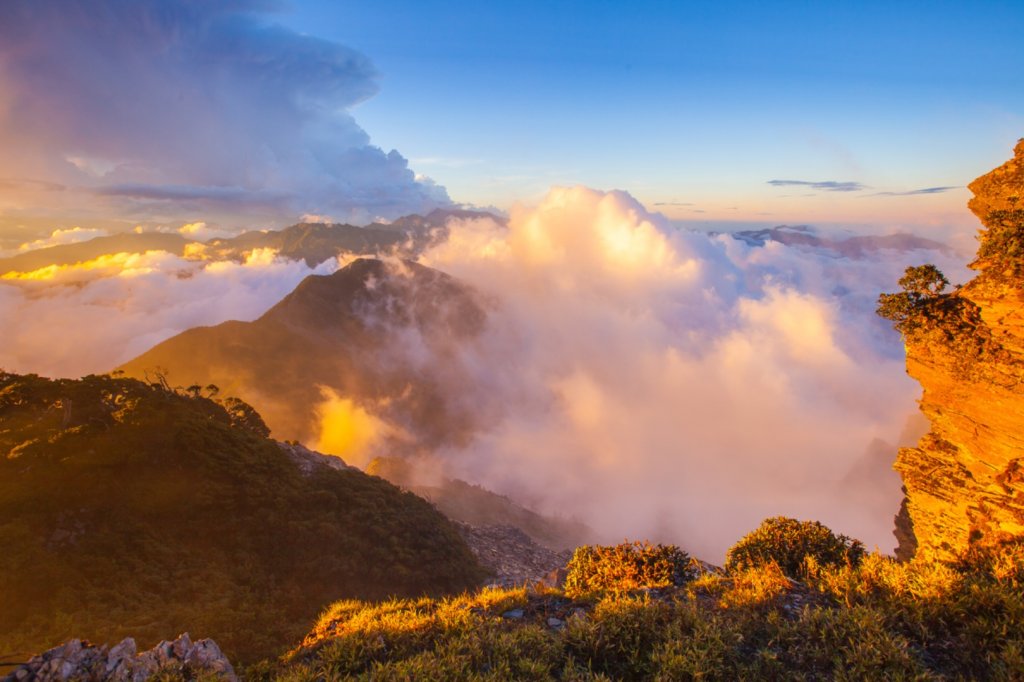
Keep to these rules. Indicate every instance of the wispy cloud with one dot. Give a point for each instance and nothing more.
(187, 192)
(673, 203)
(25, 183)
(925, 190)
(826, 185)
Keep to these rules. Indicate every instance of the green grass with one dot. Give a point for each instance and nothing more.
(876, 619)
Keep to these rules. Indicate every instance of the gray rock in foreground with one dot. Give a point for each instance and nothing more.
(78, 660)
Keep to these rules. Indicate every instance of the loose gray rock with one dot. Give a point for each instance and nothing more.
(309, 461)
(77, 660)
(513, 557)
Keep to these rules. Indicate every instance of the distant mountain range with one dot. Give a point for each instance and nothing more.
(848, 247)
(313, 243)
(317, 242)
(405, 237)
(68, 254)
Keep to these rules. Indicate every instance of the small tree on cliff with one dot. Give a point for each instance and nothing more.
(922, 285)
(1003, 242)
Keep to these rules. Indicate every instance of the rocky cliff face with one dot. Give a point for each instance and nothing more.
(965, 479)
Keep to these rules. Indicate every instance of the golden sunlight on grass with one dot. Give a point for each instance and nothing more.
(866, 618)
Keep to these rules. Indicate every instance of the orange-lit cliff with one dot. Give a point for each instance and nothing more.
(965, 479)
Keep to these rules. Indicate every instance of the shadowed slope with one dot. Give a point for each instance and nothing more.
(128, 509)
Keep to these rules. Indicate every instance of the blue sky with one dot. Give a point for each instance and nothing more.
(254, 113)
(694, 103)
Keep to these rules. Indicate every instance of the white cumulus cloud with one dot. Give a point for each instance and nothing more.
(673, 384)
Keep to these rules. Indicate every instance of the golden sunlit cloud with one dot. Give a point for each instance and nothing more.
(109, 265)
(199, 230)
(260, 257)
(68, 236)
(632, 351)
(129, 302)
(195, 251)
(347, 430)
(135, 264)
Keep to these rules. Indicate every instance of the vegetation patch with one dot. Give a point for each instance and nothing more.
(625, 567)
(131, 509)
(871, 619)
(792, 546)
(942, 325)
(1002, 243)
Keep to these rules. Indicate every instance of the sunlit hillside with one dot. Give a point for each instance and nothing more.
(128, 509)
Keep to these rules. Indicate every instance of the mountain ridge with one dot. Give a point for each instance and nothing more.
(312, 242)
(128, 509)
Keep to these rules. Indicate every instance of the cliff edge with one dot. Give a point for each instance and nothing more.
(964, 481)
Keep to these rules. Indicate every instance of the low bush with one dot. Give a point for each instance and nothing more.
(789, 543)
(629, 566)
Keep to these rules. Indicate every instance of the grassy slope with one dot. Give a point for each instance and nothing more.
(877, 620)
(126, 509)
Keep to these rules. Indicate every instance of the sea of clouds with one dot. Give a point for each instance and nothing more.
(677, 384)
(648, 380)
(644, 379)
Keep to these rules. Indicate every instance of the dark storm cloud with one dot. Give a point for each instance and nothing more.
(190, 94)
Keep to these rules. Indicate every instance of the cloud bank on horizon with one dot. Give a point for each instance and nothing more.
(129, 302)
(643, 378)
(174, 110)
(677, 383)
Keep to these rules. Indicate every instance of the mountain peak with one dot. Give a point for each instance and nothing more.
(340, 335)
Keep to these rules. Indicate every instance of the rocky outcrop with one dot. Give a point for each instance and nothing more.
(78, 660)
(309, 461)
(965, 479)
(511, 556)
